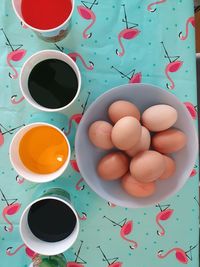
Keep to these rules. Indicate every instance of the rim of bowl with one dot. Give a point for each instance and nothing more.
(110, 198)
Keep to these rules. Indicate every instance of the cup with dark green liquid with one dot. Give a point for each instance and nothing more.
(50, 81)
(50, 224)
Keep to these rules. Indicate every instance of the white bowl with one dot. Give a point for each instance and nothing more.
(88, 156)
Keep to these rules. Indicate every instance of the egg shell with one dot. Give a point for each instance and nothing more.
(100, 134)
(142, 145)
(170, 168)
(147, 166)
(135, 188)
(169, 141)
(126, 133)
(159, 117)
(113, 166)
(122, 108)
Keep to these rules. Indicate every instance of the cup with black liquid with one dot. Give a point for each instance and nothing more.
(50, 81)
(50, 224)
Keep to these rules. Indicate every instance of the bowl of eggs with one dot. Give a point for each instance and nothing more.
(136, 145)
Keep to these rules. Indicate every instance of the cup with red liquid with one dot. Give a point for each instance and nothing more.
(50, 20)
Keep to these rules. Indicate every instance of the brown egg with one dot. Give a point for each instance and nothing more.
(147, 166)
(100, 134)
(169, 141)
(121, 108)
(142, 145)
(159, 117)
(113, 166)
(126, 133)
(170, 168)
(136, 188)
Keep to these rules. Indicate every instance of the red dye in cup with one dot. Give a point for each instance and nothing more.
(45, 14)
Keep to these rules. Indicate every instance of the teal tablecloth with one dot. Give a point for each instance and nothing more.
(143, 55)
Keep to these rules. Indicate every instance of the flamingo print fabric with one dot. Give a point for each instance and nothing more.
(113, 42)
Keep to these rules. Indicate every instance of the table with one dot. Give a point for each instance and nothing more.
(107, 59)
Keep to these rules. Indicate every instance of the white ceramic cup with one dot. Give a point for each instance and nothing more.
(30, 64)
(51, 35)
(42, 247)
(18, 165)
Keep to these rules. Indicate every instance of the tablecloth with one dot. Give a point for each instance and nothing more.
(117, 42)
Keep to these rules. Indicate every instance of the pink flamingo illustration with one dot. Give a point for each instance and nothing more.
(197, 201)
(80, 187)
(192, 109)
(24, 25)
(77, 263)
(15, 101)
(10, 209)
(75, 167)
(193, 172)
(77, 117)
(60, 48)
(151, 7)
(163, 215)
(7, 131)
(75, 56)
(19, 180)
(126, 229)
(128, 33)
(16, 55)
(83, 216)
(173, 66)
(181, 255)
(189, 21)
(133, 78)
(111, 262)
(30, 253)
(112, 205)
(87, 13)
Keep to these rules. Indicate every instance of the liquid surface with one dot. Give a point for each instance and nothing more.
(45, 14)
(43, 150)
(51, 220)
(53, 83)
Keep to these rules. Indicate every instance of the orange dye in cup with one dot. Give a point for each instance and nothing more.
(43, 149)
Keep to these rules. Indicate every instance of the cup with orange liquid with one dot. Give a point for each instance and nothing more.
(50, 20)
(40, 152)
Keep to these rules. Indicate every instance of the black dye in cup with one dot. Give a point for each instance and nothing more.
(51, 220)
(52, 83)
